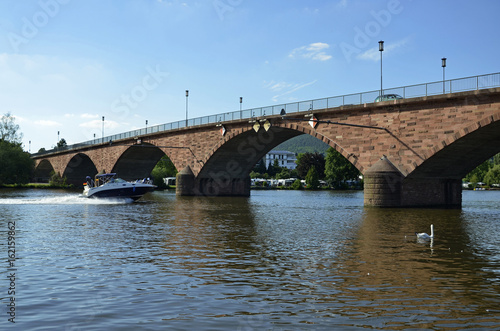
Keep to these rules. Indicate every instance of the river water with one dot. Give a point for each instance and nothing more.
(281, 260)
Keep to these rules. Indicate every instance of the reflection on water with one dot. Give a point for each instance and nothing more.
(276, 260)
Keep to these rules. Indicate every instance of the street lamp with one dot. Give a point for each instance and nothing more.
(187, 95)
(102, 150)
(381, 49)
(241, 102)
(443, 64)
(146, 126)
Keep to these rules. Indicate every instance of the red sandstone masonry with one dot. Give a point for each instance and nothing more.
(418, 129)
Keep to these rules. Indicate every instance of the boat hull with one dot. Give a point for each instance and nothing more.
(126, 191)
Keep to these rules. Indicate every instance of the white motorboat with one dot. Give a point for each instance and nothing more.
(109, 186)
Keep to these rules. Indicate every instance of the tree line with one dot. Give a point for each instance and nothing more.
(315, 167)
(16, 165)
(487, 172)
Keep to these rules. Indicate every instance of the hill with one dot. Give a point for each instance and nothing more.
(303, 144)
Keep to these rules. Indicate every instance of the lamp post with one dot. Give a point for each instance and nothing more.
(241, 102)
(146, 126)
(102, 150)
(187, 95)
(57, 136)
(443, 64)
(381, 49)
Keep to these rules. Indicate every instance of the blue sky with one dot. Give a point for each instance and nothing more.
(66, 63)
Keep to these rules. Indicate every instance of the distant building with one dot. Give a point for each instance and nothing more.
(285, 159)
(169, 181)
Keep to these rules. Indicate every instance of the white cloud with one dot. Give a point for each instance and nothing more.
(97, 124)
(373, 54)
(275, 87)
(285, 88)
(342, 4)
(314, 51)
(47, 123)
(89, 116)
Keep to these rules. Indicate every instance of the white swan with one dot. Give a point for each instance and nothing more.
(424, 235)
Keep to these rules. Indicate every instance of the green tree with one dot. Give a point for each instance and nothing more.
(273, 168)
(338, 169)
(303, 144)
(493, 175)
(283, 174)
(254, 174)
(9, 130)
(260, 167)
(61, 143)
(297, 185)
(164, 168)
(307, 160)
(477, 175)
(496, 159)
(312, 178)
(56, 179)
(16, 166)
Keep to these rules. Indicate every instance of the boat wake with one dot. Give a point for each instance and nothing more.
(63, 200)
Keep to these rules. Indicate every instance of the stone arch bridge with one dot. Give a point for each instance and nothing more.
(412, 152)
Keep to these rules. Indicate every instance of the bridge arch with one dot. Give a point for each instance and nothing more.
(43, 171)
(461, 153)
(345, 150)
(226, 170)
(137, 161)
(77, 168)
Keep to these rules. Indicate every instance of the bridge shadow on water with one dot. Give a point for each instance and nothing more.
(281, 258)
(337, 264)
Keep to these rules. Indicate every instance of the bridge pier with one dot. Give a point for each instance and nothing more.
(432, 192)
(187, 184)
(184, 182)
(385, 186)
